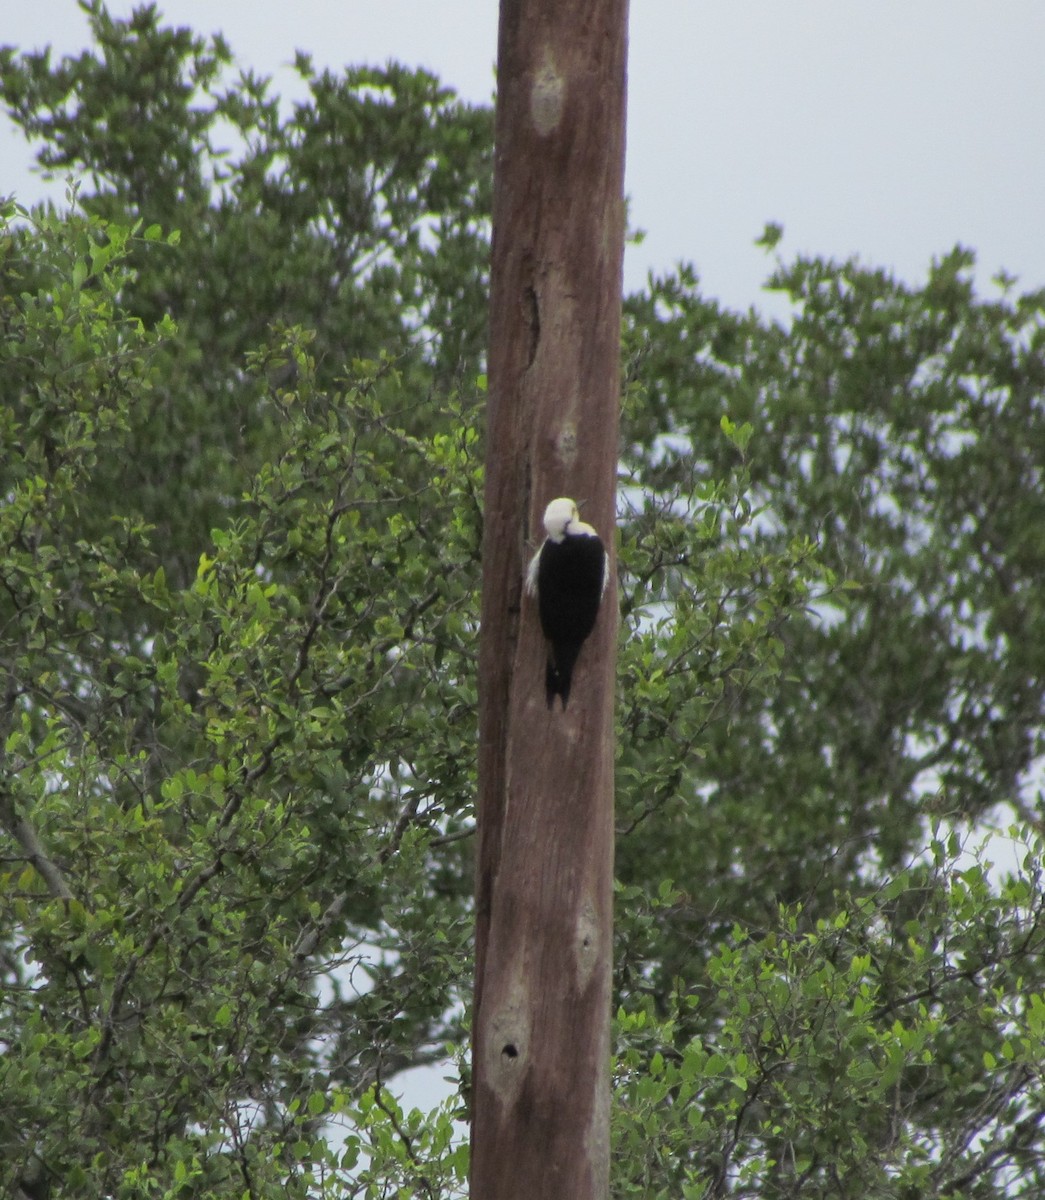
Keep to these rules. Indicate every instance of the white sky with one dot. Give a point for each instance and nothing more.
(889, 129)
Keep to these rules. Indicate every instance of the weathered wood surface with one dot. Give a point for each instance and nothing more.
(540, 1124)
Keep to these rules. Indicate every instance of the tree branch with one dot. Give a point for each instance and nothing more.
(26, 836)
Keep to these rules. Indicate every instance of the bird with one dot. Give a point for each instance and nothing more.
(567, 576)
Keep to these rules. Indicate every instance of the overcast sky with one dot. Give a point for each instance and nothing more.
(890, 130)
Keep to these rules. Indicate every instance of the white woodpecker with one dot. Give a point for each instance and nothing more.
(568, 577)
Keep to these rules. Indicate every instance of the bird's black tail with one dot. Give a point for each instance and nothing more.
(558, 674)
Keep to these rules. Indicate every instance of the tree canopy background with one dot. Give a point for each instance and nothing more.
(241, 460)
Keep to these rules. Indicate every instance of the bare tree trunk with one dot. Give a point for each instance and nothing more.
(540, 1118)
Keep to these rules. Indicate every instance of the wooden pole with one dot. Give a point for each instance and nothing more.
(540, 1117)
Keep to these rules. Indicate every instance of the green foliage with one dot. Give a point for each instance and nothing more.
(232, 804)
(892, 1050)
(886, 571)
(361, 218)
(899, 431)
(240, 526)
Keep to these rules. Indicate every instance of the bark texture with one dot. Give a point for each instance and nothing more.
(540, 1119)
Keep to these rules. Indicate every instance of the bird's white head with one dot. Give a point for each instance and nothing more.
(561, 518)
(558, 516)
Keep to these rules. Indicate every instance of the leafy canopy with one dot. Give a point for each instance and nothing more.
(240, 474)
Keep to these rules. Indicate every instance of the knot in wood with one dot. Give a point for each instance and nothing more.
(546, 97)
(566, 444)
